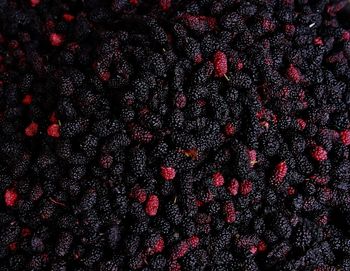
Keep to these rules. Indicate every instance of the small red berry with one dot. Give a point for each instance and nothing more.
(252, 157)
(158, 246)
(152, 205)
(106, 161)
(280, 171)
(139, 194)
(180, 250)
(246, 187)
(261, 246)
(230, 212)
(289, 29)
(346, 36)
(233, 187)
(134, 2)
(218, 179)
(56, 39)
(27, 99)
(10, 197)
(105, 75)
(301, 124)
(34, 3)
(53, 130)
(193, 241)
(293, 74)
(180, 100)
(220, 64)
(168, 173)
(345, 137)
(291, 190)
(229, 129)
(31, 129)
(53, 118)
(318, 41)
(13, 246)
(198, 58)
(253, 249)
(25, 232)
(319, 154)
(68, 17)
(165, 4)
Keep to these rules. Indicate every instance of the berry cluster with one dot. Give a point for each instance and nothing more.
(174, 135)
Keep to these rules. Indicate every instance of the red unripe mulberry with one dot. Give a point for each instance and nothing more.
(293, 74)
(220, 64)
(180, 250)
(193, 241)
(139, 194)
(27, 99)
(233, 187)
(345, 137)
(56, 39)
(152, 205)
(319, 154)
(31, 129)
(280, 171)
(10, 197)
(218, 179)
(230, 212)
(246, 187)
(34, 3)
(68, 17)
(229, 129)
(168, 173)
(53, 130)
(158, 247)
(165, 4)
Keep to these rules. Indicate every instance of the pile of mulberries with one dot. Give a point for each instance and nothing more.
(174, 135)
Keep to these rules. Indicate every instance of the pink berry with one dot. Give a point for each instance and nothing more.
(53, 130)
(230, 212)
(168, 173)
(165, 4)
(31, 129)
(220, 64)
(229, 129)
(293, 74)
(10, 197)
(246, 187)
(56, 39)
(218, 179)
(345, 137)
(193, 241)
(152, 205)
(34, 3)
(280, 171)
(233, 187)
(319, 154)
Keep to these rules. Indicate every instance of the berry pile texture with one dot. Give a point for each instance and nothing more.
(174, 135)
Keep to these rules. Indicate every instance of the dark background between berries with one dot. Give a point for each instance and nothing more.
(174, 135)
